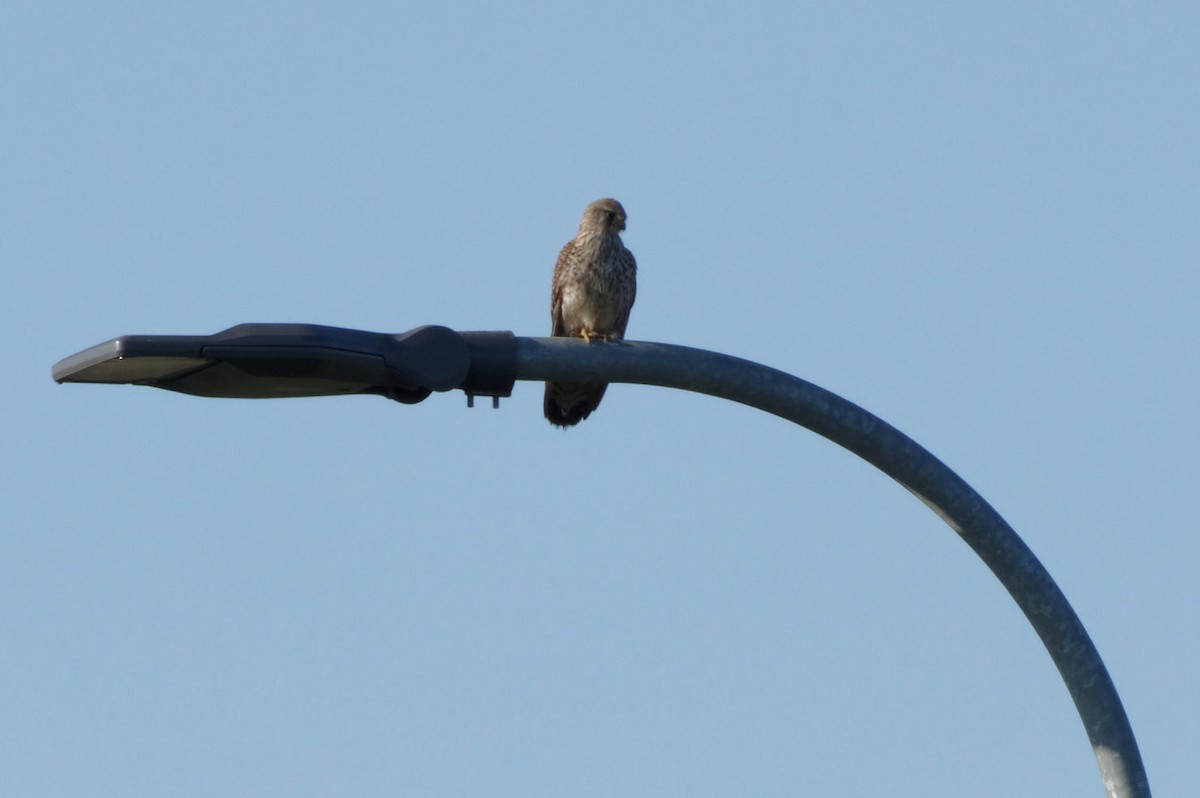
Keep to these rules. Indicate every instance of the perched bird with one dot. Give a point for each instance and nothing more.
(595, 281)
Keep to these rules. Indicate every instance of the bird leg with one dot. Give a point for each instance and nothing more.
(591, 335)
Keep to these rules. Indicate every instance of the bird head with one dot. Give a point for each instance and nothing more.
(605, 214)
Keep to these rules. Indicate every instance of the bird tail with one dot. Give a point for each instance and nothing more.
(568, 403)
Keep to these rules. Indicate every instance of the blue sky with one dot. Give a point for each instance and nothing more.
(978, 222)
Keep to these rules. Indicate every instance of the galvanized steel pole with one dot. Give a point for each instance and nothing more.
(308, 360)
(903, 460)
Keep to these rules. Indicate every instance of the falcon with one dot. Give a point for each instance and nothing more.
(595, 281)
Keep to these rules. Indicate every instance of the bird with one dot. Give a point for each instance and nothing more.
(594, 285)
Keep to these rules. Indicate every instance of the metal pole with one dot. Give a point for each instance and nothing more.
(898, 456)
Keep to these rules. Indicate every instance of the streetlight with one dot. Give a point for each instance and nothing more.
(274, 361)
(280, 360)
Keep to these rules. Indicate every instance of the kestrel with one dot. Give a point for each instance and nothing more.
(595, 281)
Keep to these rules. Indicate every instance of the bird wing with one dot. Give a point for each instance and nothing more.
(558, 326)
(630, 263)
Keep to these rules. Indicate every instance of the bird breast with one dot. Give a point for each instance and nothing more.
(596, 289)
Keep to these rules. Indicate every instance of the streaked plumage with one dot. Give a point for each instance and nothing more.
(595, 282)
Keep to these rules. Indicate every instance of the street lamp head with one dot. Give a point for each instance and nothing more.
(259, 361)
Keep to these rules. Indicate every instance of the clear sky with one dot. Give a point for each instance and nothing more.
(978, 221)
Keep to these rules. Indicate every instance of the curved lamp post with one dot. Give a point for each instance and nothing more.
(902, 459)
(267, 360)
